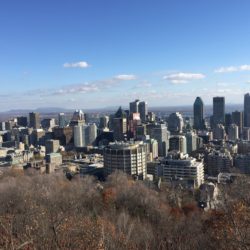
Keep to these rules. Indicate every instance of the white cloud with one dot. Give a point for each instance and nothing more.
(93, 86)
(178, 78)
(75, 89)
(233, 69)
(125, 77)
(81, 64)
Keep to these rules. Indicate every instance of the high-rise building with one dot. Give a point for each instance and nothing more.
(62, 120)
(151, 116)
(34, 120)
(175, 123)
(78, 136)
(141, 132)
(191, 139)
(219, 132)
(127, 157)
(134, 106)
(77, 118)
(22, 121)
(160, 133)
(228, 121)
(85, 135)
(134, 121)
(119, 125)
(178, 143)
(143, 110)
(48, 123)
(218, 110)
(64, 135)
(237, 118)
(152, 149)
(246, 134)
(91, 134)
(2, 126)
(198, 110)
(247, 110)
(233, 132)
(104, 122)
(120, 128)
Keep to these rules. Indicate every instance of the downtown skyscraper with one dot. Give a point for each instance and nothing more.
(218, 111)
(198, 110)
(247, 110)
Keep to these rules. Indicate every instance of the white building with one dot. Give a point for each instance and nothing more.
(233, 132)
(85, 135)
(175, 123)
(185, 168)
(128, 157)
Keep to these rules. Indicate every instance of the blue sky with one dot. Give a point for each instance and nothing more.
(96, 53)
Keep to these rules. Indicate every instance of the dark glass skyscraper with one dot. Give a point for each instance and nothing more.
(218, 110)
(143, 110)
(198, 113)
(34, 120)
(247, 110)
(237, 118)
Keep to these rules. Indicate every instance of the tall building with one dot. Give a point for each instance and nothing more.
(191, 139)
(152, 149)
(134, 106)
(143, 110)
(133, 122)
(34, 120)
(48, 123)
(237, 118)
(62, 120)
(22, 121)
(198, 110)
(151, 116)
(184, 169)
(64, 135)
(246, 134)
(2, 126)
(141, 132)
(233, 132)
(104, 122)
(85, 135)
(120, 125)
(218, 110)
(160, 133)
(78, 136)
(178, 143)
(127, 157)
(77, 118)
(247, 110)
(228, 121)
(91, 134)
(175, 123)
(219, 132)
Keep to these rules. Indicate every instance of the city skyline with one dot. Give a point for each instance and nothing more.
(91, 55)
